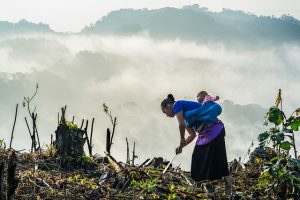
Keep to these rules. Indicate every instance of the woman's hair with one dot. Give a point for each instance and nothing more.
(169, 100)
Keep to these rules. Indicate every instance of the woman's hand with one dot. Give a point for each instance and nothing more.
(178, 150)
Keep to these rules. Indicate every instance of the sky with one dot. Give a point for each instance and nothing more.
(73, 15)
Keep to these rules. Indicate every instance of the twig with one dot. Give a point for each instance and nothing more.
(45, 183)
(82, 122)
(12, 133)
(127, 155)
(28, 128)
(133, 154)
(87, 137)
(113, 132)
(91, 135)
(108, 140)
(144, 163)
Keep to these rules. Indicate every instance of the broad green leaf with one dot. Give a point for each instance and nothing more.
(278, 137)
(263, 136)
(275, 116)
(286, 145)
(295, 124)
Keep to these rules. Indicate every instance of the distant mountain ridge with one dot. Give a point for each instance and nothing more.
(23, 26)
(189, 23)
(195, 23)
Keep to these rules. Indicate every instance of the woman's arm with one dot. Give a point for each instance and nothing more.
(180, 119)
(182, 127)
(190, 138)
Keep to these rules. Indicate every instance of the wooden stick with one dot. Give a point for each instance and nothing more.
(133, 154)
(12, 133)
(73, 119)
(28, 128)
(82, 122)
(141, 165)
(112, 161)
(113, 133)
(33, 133)
(127, 155)
(37, 133)
(91, 135)
(87, 137)
(108, 140)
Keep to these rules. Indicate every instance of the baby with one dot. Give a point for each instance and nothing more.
(203, 97)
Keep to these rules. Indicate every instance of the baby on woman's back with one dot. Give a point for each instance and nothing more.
(203, 97)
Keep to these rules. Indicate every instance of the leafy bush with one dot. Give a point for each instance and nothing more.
(281, 176)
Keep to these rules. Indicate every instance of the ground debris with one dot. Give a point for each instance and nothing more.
(97, 178)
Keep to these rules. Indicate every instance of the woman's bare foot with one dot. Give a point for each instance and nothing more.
(228, 185)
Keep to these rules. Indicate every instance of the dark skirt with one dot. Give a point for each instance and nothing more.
(209, 162)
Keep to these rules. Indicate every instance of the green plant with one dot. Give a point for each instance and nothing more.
(83, 181)
(148, 184)
(85, 160)
(1, 143)
(282, 134)
(71, 125)
(280, 176)
(50, 150)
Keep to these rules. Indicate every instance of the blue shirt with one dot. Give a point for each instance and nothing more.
(184, 105)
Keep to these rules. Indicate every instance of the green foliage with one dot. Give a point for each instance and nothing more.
(295, 123)
(1, 143)
(275, 115)
(286, 145)
(85, 160)
(282, 134)
(50, 151)
(83, 181)
(71, 125)
(172, 195)
(281, 177)
(148, 184)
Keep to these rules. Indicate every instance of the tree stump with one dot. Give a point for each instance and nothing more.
(69, 143)
(11, 180)
(1, 179)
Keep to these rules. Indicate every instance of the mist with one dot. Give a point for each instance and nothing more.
(132, 74)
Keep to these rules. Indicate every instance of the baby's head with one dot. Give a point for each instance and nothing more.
(201, 95)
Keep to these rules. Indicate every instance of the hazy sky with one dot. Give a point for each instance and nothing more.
(73, 15)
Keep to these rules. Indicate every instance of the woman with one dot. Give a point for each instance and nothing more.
(209, 160)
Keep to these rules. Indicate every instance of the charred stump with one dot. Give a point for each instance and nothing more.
(11, 181)
(1, 179)
(69, 142)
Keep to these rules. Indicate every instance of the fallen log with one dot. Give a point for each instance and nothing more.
(112, 161)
